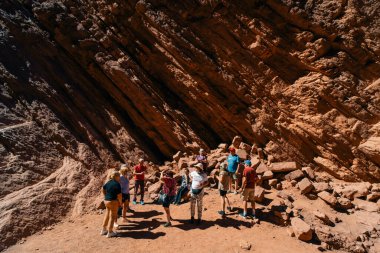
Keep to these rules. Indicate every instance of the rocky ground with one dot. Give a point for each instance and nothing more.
(304, 209)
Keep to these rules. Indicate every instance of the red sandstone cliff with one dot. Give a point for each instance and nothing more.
(86, 84)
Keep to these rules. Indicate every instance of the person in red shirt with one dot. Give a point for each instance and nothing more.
(139, 181)
(168, 193)
(248, 190)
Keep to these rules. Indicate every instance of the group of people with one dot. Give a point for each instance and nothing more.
(117, 196)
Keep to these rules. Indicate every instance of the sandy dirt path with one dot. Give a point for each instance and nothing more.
(145, 233)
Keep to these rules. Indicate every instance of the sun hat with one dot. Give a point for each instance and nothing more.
(199, 165)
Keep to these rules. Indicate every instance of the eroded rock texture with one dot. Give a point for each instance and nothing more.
(88, 83)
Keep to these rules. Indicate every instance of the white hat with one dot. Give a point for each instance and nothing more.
(199, 165)
(141, 160)
(124, 165)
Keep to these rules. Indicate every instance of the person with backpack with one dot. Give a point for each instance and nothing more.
(199, 181)
(168, 193)
(233, 163)
(184, 188)
(223, 188)
(248, 188)
(112, 200)
(139, 181)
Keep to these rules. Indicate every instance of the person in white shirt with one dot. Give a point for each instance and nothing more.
(198, 182)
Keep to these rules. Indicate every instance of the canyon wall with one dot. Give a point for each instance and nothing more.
(86, 84)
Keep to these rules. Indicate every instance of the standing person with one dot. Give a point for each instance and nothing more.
(185, 185)
(199, 181)
(139, 181)
(169, 189)
(124, 183)
(202, 158)
(112, 200)
(248, 189)
(223, 188)
(233, 162)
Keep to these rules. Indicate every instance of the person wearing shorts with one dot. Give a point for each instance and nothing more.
(169, 192)
(248, 191)
(232, 165)
(198, 182)
(223, 188)
(124, 183)
(112, 200)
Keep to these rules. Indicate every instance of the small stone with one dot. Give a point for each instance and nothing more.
(272, 182)
(245, 245)
(345, 203)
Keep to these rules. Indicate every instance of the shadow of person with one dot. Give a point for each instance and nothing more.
(140, 225)
(140, 234)
(205, 224)
(146, 215)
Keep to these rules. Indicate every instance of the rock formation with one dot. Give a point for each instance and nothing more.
(88, 84)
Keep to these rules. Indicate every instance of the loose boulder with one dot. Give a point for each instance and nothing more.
(328, 198)
(284, 166)
(305, 186)
(301, 229)
(294, 175)
(259, 194)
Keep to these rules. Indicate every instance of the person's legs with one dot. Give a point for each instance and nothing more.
(200, 206)
(236, 184)
(107, 214)
(167, 211)
(178, 197)
(192, 207)
(113, 206)
(245, 207)
(142, 190)
(124, 213)
(135, 193)
(230, 184)
(253, 207)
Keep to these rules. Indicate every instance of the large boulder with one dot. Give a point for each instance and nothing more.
(177, 156)
(245, 146)
(236, 141)
(305, 186)
(353, 190)
(284, 166)
(371, 149)
(259, 194)
(243, 154)
(328, 198)
(366, 205)
(267, 175)
(262, 168)
(155, 188)
(321, 186)
(301, 229)
(294, 175)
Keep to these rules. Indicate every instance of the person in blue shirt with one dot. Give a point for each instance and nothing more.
(232, 165)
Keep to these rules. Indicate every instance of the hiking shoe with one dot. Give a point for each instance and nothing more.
(244, 215)
(221, 213)
(103, 232)
(115, 225)
(199, 221)
(111, 234)
(142, 202)
(130, 210)
(167, 224)
(229, 209)
(134, 202)
(235, 192)
(192, 220)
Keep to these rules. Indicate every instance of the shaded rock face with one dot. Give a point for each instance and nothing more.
(101, 82)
